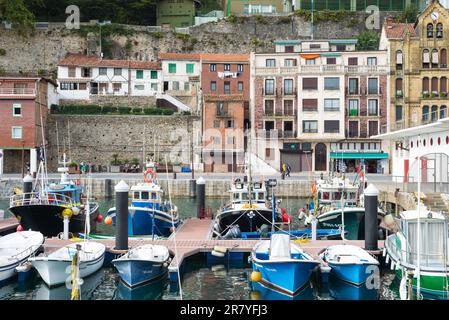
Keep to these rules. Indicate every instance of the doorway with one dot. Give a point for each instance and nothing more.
(320, 157)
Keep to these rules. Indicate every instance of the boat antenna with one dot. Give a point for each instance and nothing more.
(174, 230)
(87, 207)
(250, 180)
(418, 266)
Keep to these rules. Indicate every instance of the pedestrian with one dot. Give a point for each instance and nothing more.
(82, 168)
(284, 171)
(289, 169)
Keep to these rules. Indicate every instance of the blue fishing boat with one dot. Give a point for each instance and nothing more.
(350, 263)
(142, 264)
(281, 265)
(149, 213)
(304, 234)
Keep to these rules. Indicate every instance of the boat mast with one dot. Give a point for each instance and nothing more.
(418, 266)
(250, 180)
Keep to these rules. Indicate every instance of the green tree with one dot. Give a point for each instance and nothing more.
(17, 13)
(367, 41)
(410, 13)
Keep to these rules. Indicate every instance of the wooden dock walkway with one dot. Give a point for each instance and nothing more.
(194, 236)
(8, 225)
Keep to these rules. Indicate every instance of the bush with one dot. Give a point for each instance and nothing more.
(2, 52)
(150, 111)
(368, 40)
(137, 110)
(157, 35)
(54, 108)
(284, 20)
(261, 19)
(124, 110)
(106, 109)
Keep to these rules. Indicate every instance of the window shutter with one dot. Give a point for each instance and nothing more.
(435, 56)
(426, 56)
(399, 57)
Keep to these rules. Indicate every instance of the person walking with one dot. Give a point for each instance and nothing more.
(288, 169)
(284, 171)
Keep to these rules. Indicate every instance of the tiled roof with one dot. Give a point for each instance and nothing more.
(94, 61)
(398, 30)
(179, 56)
(218, 57)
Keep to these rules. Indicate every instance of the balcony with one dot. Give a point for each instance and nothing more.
(290, 70)
(371, 70)
(280, 114)
(329, 68)
(277, 134)
(11, 92)
(434, 95)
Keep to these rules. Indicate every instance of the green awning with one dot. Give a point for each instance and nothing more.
(359, 155)
(331, 54)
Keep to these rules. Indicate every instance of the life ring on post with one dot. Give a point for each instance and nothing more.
(151, 173)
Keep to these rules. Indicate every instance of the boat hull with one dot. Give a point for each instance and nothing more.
(9, 271)
(355, 274)
(243, 219)
(140, 222)
(135, 273)
(48, 220)
(288, 278)
(433, 284)
(58, 272)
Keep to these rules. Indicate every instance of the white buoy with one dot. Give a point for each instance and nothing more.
(66, 228)
(314, 223)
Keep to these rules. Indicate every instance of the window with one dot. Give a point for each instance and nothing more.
(289, 62)
(310, 126)
(269, 86)
(331, 60)
(117, 87)
(434, 85)
(154, 86)
(353, 61)
(443, 85)
(315, 46)
(341, 47)
(425, 85)
(230, 124)
(117, 71)
(139, 74)
(139, 87)
(399, 59)
(443, 112)
(227, 67)
(430, 30)
(425, 113)
(227, 87)
(153, 74)
(269, 107)
(72, 72)
(309, 104)
(310, 83)
(331, 126)
(439, 30)
(240, 67)
(398, 113)
(310, 62)
(372, 61)
(288, 108)
(353, 108)
(399, 93)
(217, 123)
(372, 107)
(353, 86)
(172, 68)
(103, 71)
(216, 140)
(269, 125)
(434, 113)
(331, 104)
(82, 86)
(213, 67)
(86, 72)
(426, 58)
(270, 63)
(222, 109)
(17, 110)
(353, 129)
(331, 83)
(186, 86)
(372, 86)
(240, 86)
(269, 154)
(443, 58)
(373, 128)
(289, 49)
(435, 58)
(231, 140)
(175, 85)
(16, 133)
(288, 86)
(213, 86)
(189, 68)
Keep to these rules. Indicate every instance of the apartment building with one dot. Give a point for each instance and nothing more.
(24, 105)
(302, 100)
(81, 77)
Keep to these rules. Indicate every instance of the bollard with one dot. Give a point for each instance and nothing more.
(108, 188)
(201, 197)
(174, 175)
(371, 234)
(121, 216)
(314, 223)
(66, 228)
(27, 186)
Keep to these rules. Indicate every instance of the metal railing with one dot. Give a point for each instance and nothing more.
(37, 198)
(17, 91)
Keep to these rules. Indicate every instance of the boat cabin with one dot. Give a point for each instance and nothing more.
(333, 196)
(146, 192)
(67, 192)
(241, 194)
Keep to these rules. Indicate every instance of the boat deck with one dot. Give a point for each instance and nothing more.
(193, 237)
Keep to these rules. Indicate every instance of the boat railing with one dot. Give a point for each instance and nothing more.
(409, 258)
(27, 252)
(37, 198)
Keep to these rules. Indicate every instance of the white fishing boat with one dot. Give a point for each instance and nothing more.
(55, 269)
(16, 248)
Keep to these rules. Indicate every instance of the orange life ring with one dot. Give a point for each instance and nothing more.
(149, 172)
(313, 187)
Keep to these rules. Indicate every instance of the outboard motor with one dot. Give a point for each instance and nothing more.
(264, 230)
(232, 233)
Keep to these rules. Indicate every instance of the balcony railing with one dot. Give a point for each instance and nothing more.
(328, 68)
(285, 113)
(17, 91)
(367, 69)
(277, 134)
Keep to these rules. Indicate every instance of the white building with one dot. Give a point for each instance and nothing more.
(180, 72)
(80, 77)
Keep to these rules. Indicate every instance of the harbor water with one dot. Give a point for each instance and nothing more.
(201, 281)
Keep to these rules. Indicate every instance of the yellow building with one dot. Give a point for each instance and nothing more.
(419, 69)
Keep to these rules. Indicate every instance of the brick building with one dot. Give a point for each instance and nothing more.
(24, 105)
(225, 88)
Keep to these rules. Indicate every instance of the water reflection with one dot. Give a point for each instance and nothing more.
(151, 291)
(260, 292)
(340, 290)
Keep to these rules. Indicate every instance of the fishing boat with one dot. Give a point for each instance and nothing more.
(341, 290)
(15, 249)
(142, 264)
(43, 209)
(328, 234)
(340, 205)
(350, 263)
(149, 213)
(281, 265)
(249, 208)
(53, 267)
(429, 264)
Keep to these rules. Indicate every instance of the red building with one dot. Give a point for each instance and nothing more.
(225, 88)
(24, 105)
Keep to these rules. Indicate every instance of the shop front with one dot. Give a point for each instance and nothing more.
(374, 162)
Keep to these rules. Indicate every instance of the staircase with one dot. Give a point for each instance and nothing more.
(175, 102)
(435, 202)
